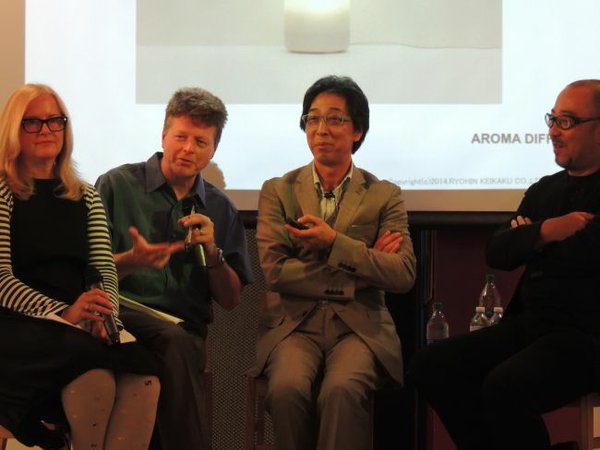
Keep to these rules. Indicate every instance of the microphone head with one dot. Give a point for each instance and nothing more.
(187, 203)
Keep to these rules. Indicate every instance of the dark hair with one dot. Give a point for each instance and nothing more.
(356, 101)
(201, 106)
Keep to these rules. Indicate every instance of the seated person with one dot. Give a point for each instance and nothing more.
(153, 206)
(54, 348)
(328, 338)
(491, 387)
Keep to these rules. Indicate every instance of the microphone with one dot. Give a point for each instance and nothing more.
(198, 249)
(93, 280)
(328, 195)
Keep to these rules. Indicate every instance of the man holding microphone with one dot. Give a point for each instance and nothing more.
(156, 210)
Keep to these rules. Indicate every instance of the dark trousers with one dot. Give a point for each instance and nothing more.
(181, 417)
(490, 387)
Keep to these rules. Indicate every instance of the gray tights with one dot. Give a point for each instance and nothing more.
(112, 412)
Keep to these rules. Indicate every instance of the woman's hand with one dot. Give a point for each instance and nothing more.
(90, 305)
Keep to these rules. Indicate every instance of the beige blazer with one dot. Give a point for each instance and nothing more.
(353, 276)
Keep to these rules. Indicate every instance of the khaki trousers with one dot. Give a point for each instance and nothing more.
(320, 378)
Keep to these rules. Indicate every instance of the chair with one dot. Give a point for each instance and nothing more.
(255, 435)
(5, 435)
(586, 405)
(256, 390)
(208, 402)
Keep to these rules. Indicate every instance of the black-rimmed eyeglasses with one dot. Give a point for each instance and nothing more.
(333, 120)
(565, 122)
(32, 125)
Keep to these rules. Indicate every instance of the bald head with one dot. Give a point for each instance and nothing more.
(591, 85)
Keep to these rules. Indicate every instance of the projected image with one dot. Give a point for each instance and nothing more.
(457, 89)
(400, 51)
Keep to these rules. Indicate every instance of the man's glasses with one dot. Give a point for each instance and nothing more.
(565, 122)
(57, 123)
(313, 120)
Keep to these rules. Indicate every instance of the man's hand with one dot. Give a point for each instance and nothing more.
(520, 220)
(319, 235)
(389, 242)
(143, 254)
(562, 227)
(203, 232)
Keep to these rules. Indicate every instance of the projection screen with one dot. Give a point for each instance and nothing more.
(457, 89)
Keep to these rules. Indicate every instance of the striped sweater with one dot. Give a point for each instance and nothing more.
(19, 297)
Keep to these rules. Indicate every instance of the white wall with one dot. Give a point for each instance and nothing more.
(12, 47)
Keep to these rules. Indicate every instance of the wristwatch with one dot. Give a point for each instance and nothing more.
(220, 260)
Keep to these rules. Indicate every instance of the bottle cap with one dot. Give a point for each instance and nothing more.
(490, 278)
(498, 309)
(480, 308)
(438, 305)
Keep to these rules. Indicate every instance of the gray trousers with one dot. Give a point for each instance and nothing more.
(181, 417)
(320, 378)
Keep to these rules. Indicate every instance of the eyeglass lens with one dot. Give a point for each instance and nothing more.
(53, 123)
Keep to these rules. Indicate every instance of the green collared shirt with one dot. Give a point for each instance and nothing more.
(139, 195)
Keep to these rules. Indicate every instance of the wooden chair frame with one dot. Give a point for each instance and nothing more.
(586, 405)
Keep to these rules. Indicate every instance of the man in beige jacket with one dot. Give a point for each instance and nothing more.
(326, 337)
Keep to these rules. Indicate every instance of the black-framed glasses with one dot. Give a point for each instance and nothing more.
(333, 120)
(565, 122)
(34, 125)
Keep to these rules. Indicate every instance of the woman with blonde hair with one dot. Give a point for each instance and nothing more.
(58, 362)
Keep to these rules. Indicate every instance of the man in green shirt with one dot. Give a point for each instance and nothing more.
(179, 244)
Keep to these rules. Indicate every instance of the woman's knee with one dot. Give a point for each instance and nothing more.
(97, 382)
(144, 386)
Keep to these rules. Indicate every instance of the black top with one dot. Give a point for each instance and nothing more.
(49, 242)
(561, 279)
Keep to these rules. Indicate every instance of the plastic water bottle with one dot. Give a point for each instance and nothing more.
(490, 296)
(437, 326)
(479, 320)
(498, 312)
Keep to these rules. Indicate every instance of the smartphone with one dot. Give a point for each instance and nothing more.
(295, 224)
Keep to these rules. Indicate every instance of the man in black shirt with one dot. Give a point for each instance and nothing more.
(491, 387)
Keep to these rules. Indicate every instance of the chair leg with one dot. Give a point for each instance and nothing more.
(256, 391)
(208, 403)
(371, 406)
(249, 438)
(5, 435)
(593, 402)
(261, 411)
(586, 420)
